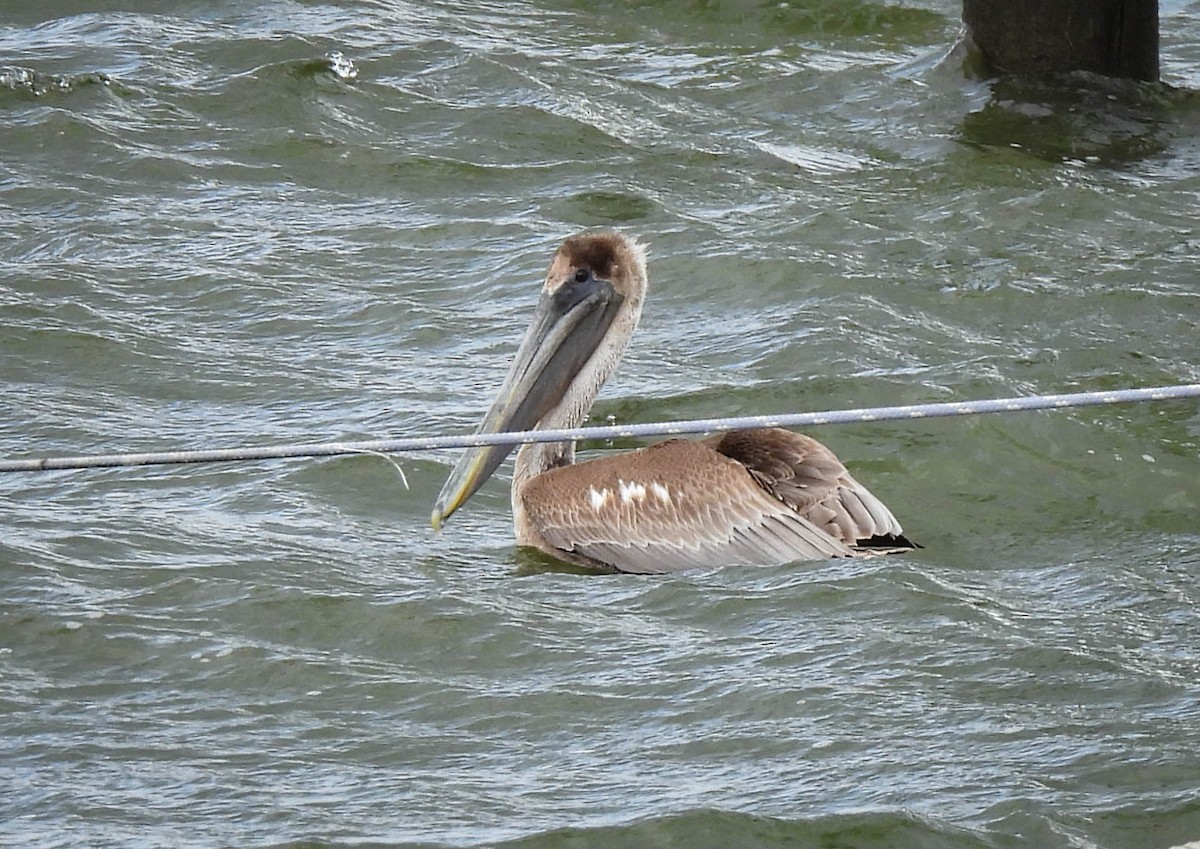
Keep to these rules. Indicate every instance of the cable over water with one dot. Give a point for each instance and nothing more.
(675, 428)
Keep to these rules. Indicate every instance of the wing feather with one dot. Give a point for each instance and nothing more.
(809, 477)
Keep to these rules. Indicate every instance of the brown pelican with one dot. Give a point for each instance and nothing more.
(760, 497)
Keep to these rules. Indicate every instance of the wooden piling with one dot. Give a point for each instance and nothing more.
(1117, 38)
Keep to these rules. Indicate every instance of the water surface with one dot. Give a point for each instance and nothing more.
(244, 223)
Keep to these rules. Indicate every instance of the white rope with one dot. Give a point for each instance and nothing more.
(430, 443)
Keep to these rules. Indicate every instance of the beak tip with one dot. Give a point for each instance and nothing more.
(437, 519)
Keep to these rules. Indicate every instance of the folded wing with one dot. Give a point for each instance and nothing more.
(759, 497)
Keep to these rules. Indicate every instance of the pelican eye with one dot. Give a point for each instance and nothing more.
(580, 286)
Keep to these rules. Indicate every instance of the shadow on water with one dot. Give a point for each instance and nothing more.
(1080, 117)
(705, 828)
(530, 561)
(775, 21)
(701, 829)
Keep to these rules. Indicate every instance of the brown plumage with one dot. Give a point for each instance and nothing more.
(755, 497)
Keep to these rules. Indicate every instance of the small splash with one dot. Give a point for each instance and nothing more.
(16, 77)
(343, 68)
(30, 81)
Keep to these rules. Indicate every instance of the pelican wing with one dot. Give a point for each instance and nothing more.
(806, 476)
(675, 505)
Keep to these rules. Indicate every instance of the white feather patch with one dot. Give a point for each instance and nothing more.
(631, 491)
(598, 498)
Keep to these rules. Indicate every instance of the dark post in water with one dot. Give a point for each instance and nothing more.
(1117, 38)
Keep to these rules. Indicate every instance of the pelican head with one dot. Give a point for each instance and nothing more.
(589, 307)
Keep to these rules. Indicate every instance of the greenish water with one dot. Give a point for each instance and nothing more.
(218, 233)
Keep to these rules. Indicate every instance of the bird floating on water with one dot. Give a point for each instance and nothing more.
(754, 497)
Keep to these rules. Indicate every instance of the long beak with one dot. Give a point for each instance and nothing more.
(567, 327)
